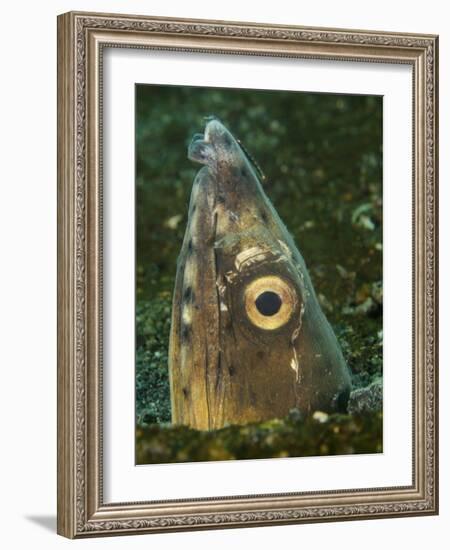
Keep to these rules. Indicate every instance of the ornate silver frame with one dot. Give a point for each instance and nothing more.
(81, 39)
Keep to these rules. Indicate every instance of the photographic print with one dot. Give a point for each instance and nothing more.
(247, 274)
(259, 285)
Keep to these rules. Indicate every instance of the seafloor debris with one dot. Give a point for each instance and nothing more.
(367, 300)
(295, 435)
(368, 399)
(361, 218)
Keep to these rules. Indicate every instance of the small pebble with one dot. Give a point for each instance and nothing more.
(320, 416)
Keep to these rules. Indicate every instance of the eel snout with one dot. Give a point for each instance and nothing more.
(216, 142)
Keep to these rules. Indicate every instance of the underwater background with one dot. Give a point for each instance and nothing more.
(321, 155)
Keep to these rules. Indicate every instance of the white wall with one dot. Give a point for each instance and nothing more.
(28, 270)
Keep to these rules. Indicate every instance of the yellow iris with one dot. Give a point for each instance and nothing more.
(269, 302)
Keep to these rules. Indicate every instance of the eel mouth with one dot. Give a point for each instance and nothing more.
(216, 141)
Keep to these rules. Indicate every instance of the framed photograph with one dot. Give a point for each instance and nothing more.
(247, 276)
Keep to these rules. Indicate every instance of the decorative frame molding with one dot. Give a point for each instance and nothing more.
(81, 37)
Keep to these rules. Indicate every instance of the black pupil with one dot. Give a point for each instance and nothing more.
(268, 303)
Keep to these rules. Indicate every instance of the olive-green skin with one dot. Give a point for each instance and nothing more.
(224, 369)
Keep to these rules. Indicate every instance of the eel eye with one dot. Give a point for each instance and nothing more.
(269, 302)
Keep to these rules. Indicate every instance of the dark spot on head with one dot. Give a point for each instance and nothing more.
(220, 198)
(190, 246)
(185, 333)
(231, 370)
(188, 294)
(194, 208)
(260, 354)
(185, 392)
(264, 217)
(244, 171)
(227, 140)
